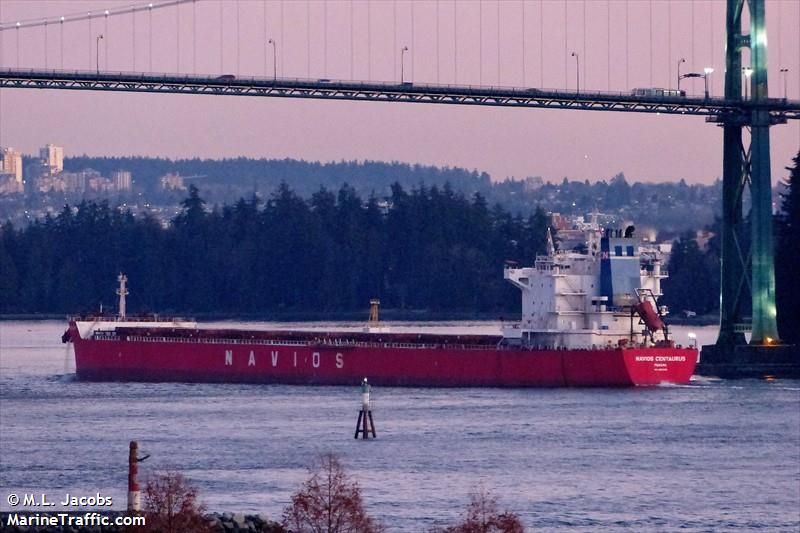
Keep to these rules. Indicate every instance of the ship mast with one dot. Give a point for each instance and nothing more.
(551, 247)
(122, 292)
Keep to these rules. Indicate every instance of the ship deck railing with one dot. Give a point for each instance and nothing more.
(117, 318)
(350, 344)
(308, 343)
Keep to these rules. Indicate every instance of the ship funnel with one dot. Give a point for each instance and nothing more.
(374, 305)
(122, 292)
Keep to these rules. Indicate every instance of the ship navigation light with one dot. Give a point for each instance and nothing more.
(693, 337)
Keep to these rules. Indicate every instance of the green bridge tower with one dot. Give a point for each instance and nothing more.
(743, 166)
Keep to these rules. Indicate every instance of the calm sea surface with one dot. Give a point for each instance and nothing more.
(711, 456)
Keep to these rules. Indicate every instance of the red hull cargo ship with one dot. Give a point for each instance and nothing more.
(590, 318)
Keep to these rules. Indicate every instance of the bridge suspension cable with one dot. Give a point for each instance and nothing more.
(89, 15)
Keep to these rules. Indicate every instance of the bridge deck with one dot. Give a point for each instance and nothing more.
(714, 107)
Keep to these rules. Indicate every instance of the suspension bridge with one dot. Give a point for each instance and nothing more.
(487, 53)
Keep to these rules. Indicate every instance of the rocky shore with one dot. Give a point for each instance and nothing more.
(219, 523)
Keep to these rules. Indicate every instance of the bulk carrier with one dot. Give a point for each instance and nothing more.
(590, 318)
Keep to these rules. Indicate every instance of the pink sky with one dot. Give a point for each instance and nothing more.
(502, 141)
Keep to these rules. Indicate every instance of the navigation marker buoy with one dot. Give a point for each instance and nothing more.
(364, 424)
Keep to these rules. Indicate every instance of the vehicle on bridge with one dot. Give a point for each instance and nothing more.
(659, 93)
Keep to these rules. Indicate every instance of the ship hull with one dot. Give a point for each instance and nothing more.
(200, 358)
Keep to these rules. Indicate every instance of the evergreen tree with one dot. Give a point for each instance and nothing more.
(687, 265)
(787, 257)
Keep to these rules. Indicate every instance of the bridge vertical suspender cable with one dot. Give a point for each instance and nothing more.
(650, 35)
(194, 36)
(436, 5)
(45, 45)
(178, 37)
(669, 41)
(541, 45)
(265, 36)
(394, 39)
(566, 32)
(352, 76)
(325, 39)
(283, 45)
(308, 39)
(413, 48)
(455, 42)
(780, 47)
(583, 46)
(711, 43)
(2, 47)
(222, 39)
(608, 45)
(480, 42)
(691, 38)
(522, 2)
(498, 43)
(369, 40)
(627, 49)
(61, 45)
(89, 65)
(238, 42)
(106, 37)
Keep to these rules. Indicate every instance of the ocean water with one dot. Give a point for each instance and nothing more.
(711, 456)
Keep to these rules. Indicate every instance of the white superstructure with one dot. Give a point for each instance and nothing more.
(601, 293)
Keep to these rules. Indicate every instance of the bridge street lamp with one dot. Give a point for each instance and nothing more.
(681, 60)
(274, 61)
(707, 71)
(577, 72)
(785, 73)
(97, 50)
(402, 63)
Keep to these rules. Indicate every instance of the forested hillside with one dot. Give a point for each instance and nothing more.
(428, 248)
(670, 207)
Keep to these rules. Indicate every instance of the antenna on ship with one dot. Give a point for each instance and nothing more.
(122, 292)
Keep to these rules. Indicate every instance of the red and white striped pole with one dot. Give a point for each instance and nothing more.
(134, 495)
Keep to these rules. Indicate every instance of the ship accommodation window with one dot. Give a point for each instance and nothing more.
(630, 251)
(618, 250)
